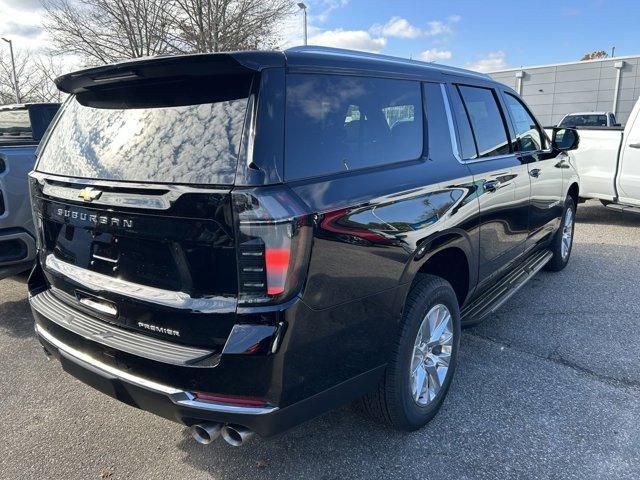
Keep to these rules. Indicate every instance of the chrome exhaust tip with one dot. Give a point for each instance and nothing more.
(205, 433)
(236, 435)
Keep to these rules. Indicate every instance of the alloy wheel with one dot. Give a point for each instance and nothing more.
(567, 234)
(431, 355)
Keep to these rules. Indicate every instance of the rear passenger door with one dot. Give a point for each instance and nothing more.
(501, 178)
(544, 168)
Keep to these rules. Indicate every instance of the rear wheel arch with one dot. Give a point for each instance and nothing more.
(451, 264)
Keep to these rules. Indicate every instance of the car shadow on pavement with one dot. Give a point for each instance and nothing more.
(15, 313)
(597, 214)
(16, 319)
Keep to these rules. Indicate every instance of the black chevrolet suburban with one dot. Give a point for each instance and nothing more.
(241, 241)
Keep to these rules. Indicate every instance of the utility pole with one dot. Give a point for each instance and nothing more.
(13, 66)
(303, 7)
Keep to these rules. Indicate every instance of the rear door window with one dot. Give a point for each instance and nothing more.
(340, 123)
(465, 134)
(486, 121)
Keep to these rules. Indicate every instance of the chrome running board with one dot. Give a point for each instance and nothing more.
(497, 295)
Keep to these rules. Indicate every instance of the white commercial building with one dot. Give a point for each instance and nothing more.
(552, 91)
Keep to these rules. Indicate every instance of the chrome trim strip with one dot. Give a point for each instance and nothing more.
(139, 381)
(177, 189)
(177, 396)
(120, 199)
(106, 259)
(179, 300)
(452, 129)
(223, 408)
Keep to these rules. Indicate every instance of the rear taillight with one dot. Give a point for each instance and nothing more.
(274, 232)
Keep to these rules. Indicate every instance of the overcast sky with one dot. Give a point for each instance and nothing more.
(485, 35)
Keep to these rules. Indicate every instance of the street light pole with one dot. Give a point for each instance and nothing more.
(13, 66)
(303, 7)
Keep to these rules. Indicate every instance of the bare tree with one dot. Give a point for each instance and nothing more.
(103, 31)
(35, 74)
(224, 25)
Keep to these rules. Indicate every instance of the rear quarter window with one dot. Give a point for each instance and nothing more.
(340, 123)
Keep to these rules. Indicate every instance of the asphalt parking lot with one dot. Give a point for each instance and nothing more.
(547, 388)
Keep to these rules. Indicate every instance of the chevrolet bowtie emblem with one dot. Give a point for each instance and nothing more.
(89, 194)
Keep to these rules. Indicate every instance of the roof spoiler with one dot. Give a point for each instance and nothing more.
(174, 66)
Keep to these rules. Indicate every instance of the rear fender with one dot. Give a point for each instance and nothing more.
(427, 249)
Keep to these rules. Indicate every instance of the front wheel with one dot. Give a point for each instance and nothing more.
(563, 240)
(419, 374)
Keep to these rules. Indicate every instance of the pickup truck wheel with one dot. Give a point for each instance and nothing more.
(563, 240)
(419, 374)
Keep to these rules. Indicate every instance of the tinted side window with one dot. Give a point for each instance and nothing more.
(528, 133)
(41, 118)
(337, 123)
(486, 121)
(465, 135)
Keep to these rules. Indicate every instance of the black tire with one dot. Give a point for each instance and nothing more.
(392, 402)
(558, 262)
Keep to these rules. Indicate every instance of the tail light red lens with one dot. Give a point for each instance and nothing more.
(274, 233)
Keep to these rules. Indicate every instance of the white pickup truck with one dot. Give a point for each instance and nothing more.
(608, 162)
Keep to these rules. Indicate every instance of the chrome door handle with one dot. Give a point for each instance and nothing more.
(634, 145)
(535, 172)
(492, 185)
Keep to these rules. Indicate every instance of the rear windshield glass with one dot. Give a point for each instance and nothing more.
(15, 125)
(585, 121)
(176, 133)
(339, 123)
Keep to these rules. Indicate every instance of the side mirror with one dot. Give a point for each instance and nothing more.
(565, 139)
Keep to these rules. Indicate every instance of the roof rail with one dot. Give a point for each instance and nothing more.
(318, 49)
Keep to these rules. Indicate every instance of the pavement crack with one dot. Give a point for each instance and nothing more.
(555, 357)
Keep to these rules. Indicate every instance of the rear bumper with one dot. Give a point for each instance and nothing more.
(180, 405)
(163, 400)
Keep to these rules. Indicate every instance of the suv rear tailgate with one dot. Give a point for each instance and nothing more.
(156, 259)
